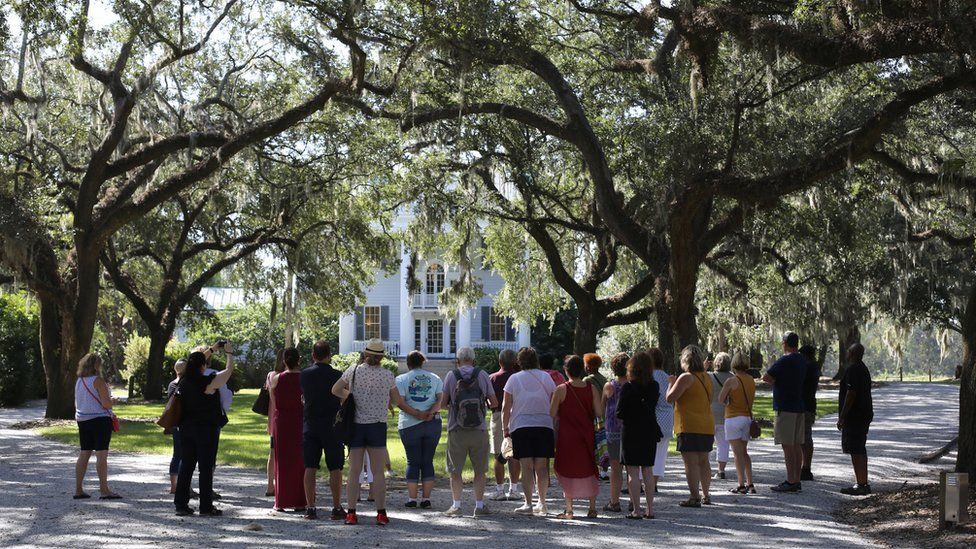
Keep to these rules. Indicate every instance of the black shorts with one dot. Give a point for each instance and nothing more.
(316, 442)
(368, 435)
(95, 434)
(695, 442)
(533, 442)
(853, 440)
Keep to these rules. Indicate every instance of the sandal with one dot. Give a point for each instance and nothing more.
(738, 490)
(691, 502)
(612, 507)
(110, 496)
(750, 489)
(86, 496)
(565, 516)
(649, 516)
(591, 514)
(269, 494)
(635, 516)
(706, 500)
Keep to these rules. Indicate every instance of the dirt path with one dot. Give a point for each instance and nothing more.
(36, 509)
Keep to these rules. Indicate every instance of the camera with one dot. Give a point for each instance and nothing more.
(221, 343)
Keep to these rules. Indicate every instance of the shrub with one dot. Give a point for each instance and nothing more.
(348, 360)
(21, 372)
(257, 339)
(486, 358)
(136, 361)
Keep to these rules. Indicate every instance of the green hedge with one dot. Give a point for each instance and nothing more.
(21, 371)
(348, 360)
(486, 358)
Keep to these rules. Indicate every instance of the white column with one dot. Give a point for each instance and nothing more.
(464, 329)
(347, 332)
(406, 311)
(524, 334)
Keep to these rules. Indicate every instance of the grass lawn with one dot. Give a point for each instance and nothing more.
(244, 442)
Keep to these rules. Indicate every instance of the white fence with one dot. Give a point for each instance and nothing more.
(425, 301)
(500, 345)
(392, 347)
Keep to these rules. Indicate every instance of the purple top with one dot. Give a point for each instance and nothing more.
(611, 422)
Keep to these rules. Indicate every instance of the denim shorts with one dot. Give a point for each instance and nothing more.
(368, 435)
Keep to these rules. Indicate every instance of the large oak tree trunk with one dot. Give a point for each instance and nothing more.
(587, 330)
(665, 330)
(966, 456)
(67, 323)
(846, 336)
(159, 337)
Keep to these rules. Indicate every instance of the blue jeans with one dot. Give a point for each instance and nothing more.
(174, 462)
(420, 443)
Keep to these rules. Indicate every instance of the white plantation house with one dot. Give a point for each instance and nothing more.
(406, 322)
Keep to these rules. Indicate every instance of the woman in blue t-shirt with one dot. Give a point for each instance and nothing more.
(419, 425)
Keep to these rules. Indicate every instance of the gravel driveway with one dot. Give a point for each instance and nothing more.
(37, 480)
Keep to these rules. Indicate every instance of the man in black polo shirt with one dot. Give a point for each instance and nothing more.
(856, 414)
(318, 437)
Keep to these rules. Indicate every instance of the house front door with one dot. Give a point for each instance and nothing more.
(433, 340)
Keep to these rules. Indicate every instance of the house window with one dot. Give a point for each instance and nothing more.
(371, 322)
(497, 325)
(435, 279)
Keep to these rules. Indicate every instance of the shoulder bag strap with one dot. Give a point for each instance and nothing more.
(745, 395)
(94, 396)
(569, 387)
(708, 394)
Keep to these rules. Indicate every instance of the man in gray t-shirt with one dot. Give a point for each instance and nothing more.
(467, 434)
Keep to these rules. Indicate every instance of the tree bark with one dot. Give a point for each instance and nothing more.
(59, 380)
(665, 329)
(587, 329)
(159, 337)
(846, 336)
(966, 456)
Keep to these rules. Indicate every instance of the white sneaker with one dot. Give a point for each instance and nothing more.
(481, 511)
(454, 512)
(514, 495)
(540, 509)
(499, 496)
(525, 509)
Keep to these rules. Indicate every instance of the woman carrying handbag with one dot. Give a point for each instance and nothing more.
(738, 394)
(96, 423)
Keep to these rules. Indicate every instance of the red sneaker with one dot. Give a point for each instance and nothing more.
(381, 518)
(351, 517)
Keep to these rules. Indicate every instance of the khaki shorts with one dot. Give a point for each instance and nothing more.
(788, 428)
(497, 433)
(462, 443)
(808, 420)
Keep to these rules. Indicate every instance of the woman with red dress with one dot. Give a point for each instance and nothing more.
(576, 404)
(286, 426)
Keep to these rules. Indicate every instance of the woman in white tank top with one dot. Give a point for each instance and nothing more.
(93, 412)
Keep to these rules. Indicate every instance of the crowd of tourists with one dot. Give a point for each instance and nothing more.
(516, 419)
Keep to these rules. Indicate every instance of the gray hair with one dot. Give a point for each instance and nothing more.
(508, 357)
(740, 362)
(465, 355)
(723, 362)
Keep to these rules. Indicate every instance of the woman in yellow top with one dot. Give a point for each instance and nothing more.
(691, 394)
(738, 394)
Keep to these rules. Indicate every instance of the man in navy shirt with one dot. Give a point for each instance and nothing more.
(787, 376)
(856, 414)
(317, 436)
